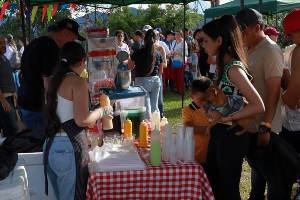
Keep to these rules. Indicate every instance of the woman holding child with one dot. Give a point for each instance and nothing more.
(226, 150)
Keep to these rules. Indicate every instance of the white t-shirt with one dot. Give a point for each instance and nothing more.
(9, 52)
(124, 47)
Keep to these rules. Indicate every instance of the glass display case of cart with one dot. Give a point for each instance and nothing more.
(102, 68)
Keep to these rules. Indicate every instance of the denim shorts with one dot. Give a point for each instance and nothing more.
(61, 168)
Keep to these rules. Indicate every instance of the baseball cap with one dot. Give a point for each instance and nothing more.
(170, 32)
(139, 33)
(271, 31)
(159, 29)
(291, 21)
(248, 17)
(70, 25)
(147, 27)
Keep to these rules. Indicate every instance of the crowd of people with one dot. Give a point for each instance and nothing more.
(237, 53)
(250, 64)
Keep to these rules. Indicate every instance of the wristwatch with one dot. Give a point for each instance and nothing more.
(264, 127)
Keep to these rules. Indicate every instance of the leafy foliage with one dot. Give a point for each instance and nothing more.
(271, 21)
(121, 18)
(37, 28)
(170, 17)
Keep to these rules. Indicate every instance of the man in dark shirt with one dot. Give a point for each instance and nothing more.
(8, 118)
(38, 62)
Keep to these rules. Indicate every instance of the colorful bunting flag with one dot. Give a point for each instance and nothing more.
(1, 3)
(49, 12)
(55, 6)
(4, 6)
(34, 10)
(64, 6)
(44, 11)
(28, 12)
(12, 9)
(73, 5)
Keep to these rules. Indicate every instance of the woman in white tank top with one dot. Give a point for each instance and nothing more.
(67, 113)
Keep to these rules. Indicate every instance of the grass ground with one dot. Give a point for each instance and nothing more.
(172, 106)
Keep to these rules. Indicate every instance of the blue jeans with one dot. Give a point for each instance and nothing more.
(33, 119)
(16, 79)
(161, 98)
(152, 85)
(61, 168)
(8, 120)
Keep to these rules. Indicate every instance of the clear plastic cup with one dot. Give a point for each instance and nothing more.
(94, 142)
(173, 155)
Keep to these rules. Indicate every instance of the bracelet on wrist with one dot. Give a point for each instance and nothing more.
(100, 112)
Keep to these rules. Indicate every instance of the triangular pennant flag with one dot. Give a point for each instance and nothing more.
(28, 12)
(73, 5)
(64, 6)
(55, 6)
(49, 11)
(34, 10)
(12, 9)
(4, 6)
(44, 11)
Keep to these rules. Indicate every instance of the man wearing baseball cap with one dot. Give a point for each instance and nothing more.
(272, 33)
(266, 65)
(291, 25)
(291, 97)
(37, 64)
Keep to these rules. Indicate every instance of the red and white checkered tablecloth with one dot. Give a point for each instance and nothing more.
(180, 181)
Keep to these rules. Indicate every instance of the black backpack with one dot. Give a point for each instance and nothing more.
(8, 160)
(27, 141)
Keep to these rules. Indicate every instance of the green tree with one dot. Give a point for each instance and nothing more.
(13, 25)
(155, 15)
(271, 21)
(122, 19)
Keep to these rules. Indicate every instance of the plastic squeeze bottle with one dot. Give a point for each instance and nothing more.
(155, 148)
(127, 128)
(163, 122)
(143, 134)
(106, 122)
(155, 120)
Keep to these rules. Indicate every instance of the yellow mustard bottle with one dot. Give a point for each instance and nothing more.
(127, 128)
(143, 134)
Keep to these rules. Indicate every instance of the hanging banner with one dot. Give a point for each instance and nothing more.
(12, 9)
(55, 6)
(4, 6)
(44, 11)
(49, 12)
(28, 12)
(34, 10)
(73, 5)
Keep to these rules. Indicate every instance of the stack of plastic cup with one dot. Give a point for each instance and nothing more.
(180, 141)
(189, 144)
(173, 151)
(166, 142)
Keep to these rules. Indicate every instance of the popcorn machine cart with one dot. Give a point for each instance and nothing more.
(102, 70)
